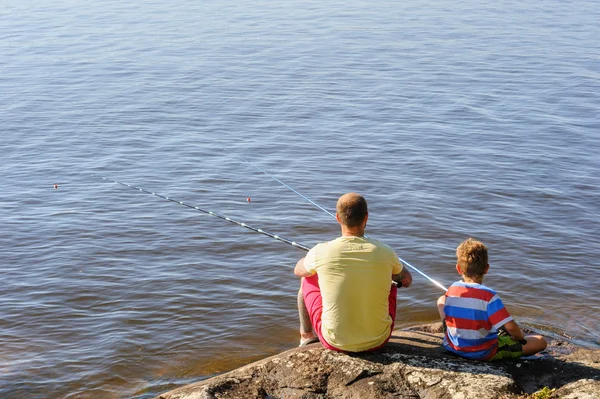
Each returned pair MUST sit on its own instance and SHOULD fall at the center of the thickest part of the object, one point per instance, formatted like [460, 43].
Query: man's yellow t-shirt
[355, 281]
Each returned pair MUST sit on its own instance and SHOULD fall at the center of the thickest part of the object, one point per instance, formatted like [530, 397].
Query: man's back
[355, 279]
[346, 292]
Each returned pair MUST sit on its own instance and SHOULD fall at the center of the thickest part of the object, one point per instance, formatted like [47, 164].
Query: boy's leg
[508, 348]
[441, 302]
[535, 344]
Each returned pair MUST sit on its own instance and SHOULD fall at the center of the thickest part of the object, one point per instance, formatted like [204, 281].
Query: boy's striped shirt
[474, 313]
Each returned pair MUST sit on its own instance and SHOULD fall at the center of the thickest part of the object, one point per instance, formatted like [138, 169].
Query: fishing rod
[258, 230]
[331, 214]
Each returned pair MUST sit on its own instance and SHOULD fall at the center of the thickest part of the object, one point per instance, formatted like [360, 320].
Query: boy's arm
[515, 332]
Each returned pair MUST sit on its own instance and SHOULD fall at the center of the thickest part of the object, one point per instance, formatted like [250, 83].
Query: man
[346, 293]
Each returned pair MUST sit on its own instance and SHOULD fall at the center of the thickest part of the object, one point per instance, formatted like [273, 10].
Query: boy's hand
[515, 332]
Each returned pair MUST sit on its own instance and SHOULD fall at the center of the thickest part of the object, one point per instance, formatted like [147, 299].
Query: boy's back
[474, 313]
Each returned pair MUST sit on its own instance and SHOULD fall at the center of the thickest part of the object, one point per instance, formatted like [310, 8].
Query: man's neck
[352, 232]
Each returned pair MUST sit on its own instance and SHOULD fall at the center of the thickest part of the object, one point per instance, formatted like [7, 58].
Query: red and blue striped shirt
[474, 313]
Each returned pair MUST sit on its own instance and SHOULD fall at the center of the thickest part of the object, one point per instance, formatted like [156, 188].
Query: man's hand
[404, 278]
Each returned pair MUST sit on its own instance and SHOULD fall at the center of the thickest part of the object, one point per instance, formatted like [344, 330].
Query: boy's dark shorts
[508, 348]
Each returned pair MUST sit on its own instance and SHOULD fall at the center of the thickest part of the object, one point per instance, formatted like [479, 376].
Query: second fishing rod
[436, 283]
[258, 230]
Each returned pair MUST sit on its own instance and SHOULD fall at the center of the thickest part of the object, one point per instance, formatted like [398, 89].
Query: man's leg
[314, 306]
[392, 306]
[306, 330]
[392, 313]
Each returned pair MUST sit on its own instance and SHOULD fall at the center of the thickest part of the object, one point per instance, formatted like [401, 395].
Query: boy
[473, 313]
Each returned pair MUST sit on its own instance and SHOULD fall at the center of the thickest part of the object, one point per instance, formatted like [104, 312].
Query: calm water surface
[454, 119]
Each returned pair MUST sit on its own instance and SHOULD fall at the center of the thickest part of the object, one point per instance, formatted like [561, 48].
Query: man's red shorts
[314, 304]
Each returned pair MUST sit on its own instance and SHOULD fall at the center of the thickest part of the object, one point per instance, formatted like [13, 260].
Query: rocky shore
[411, 365]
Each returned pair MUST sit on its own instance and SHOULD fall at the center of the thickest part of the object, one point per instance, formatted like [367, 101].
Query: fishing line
[228, 219]
[331, 214]
[279, 181]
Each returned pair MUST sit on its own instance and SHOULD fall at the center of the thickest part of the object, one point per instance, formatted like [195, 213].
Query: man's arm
[404, 278]
[300, 270]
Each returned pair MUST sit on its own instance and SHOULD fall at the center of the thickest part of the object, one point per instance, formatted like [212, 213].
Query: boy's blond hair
[472, 258]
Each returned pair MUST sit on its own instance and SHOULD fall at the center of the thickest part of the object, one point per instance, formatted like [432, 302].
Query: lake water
[454, 119]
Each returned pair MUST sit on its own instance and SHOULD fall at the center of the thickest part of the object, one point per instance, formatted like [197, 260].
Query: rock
[582, 389]
[411, 365]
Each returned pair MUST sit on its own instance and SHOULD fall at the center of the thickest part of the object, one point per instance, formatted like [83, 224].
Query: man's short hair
[352, 209]
[472, 257]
